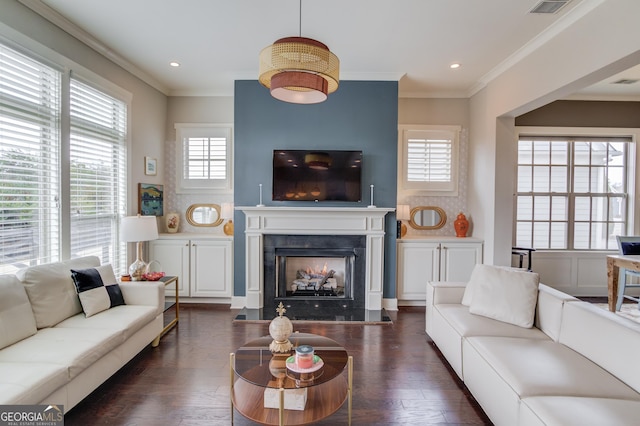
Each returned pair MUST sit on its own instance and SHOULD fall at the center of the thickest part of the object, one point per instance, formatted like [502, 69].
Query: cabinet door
[458, 260]
[417, 265]
[173, 256]
[211, 268]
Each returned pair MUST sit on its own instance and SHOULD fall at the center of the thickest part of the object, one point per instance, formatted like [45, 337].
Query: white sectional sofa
[50, 352]
[576, 365]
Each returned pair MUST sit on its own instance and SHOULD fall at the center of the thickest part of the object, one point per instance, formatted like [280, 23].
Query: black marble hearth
[298, 313]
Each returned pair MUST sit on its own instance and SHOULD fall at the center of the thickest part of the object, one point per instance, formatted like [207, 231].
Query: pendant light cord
[300, 20]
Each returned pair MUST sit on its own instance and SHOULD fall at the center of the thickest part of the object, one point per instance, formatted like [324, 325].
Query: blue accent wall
[360, 115]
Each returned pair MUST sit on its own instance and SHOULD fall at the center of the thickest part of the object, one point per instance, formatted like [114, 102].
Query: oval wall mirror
[427, 217]
[204, 215]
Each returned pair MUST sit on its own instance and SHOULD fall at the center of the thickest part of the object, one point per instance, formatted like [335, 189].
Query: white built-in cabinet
[420, 260]
[203, 264]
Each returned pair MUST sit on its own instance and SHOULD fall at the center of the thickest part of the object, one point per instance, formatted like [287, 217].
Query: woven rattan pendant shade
[299, 70]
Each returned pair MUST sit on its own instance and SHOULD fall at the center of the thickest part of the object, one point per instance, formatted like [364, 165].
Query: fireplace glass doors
[317, 271]
[328, 273]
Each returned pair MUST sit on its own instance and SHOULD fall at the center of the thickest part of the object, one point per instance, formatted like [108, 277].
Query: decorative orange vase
[461, 225]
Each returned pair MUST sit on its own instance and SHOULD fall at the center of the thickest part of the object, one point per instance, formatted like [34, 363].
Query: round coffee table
[260, 378]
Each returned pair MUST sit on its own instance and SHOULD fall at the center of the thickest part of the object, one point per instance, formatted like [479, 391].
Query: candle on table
[304, 356]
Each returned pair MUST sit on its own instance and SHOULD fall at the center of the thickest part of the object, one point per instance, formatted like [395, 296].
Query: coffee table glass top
[255, 363]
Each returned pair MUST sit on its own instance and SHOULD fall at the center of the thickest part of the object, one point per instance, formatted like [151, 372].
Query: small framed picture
[150, 166]
[150, 199]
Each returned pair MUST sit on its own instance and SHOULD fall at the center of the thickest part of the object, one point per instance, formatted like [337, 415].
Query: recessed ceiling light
[454, 66]
[174, 64]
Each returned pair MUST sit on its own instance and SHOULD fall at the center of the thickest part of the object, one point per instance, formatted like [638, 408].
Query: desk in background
[614, 263]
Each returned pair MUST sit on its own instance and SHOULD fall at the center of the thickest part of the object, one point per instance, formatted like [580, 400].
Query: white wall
[192, 109]
[414, 111]
[603, 42]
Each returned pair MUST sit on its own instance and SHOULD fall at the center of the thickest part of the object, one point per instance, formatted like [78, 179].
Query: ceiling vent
[626, 81]
[549, 6]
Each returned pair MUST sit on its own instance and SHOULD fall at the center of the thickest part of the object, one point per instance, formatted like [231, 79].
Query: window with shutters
[428, 160]
[204, 158]
[572, 191]
[60, 197]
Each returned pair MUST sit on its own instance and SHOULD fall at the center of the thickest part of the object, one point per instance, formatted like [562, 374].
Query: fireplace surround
[314, 271]
[364, 222]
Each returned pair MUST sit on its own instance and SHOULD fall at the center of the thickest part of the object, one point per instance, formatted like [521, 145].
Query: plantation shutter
[430, 160]
[205, 158]
[97, 174]
[29, 158]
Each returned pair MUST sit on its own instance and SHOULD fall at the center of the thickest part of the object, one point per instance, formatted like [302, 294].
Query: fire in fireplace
[313, 276]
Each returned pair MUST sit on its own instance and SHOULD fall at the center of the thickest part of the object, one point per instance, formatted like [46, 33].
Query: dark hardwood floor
[400, 378]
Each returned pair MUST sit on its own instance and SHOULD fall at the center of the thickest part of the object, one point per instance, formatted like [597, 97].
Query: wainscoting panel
[554, 270]
[592, 273]
[575, 272]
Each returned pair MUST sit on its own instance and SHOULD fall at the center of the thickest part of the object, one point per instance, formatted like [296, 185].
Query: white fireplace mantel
[369, 221]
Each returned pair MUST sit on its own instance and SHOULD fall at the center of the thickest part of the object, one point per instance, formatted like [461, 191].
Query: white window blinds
[97, 174]
[29, 162]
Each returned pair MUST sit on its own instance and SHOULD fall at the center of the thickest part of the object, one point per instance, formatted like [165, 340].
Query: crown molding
[73, 30]
[446, 94]
[564, 22]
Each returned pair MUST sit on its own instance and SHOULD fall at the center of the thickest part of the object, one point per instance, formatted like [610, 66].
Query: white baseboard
[390, 304]
[238, 302]
[412, 303]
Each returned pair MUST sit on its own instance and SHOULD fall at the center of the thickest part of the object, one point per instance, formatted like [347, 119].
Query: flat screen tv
[317, 175]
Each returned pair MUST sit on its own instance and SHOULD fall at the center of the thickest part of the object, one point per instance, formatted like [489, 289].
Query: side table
[168, 280]
[253, 373]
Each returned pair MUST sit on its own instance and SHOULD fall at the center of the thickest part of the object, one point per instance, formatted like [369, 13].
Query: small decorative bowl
[153, 276]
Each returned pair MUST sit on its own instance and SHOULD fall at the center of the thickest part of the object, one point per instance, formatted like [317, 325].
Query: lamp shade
[403, 212]
[138, 228]
[227, 211]
[299, 70]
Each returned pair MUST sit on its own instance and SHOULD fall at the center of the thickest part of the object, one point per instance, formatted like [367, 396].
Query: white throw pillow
[480, 274]
[507, 295]
[477, 276]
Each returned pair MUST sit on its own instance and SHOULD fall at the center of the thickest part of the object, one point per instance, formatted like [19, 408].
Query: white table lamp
[137, 229]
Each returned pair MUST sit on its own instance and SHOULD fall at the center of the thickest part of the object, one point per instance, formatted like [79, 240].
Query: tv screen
[317, 175]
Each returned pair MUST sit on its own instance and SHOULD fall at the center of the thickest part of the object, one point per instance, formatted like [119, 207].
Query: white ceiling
[411, 41]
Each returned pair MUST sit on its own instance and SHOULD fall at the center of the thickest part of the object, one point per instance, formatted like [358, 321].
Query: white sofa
[50, 353]
[577, 365]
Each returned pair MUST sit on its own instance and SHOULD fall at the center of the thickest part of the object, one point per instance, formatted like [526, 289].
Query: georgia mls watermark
[31, 415]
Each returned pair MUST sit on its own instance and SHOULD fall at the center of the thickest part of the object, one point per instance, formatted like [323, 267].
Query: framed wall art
[150, 198]
[150, 166]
